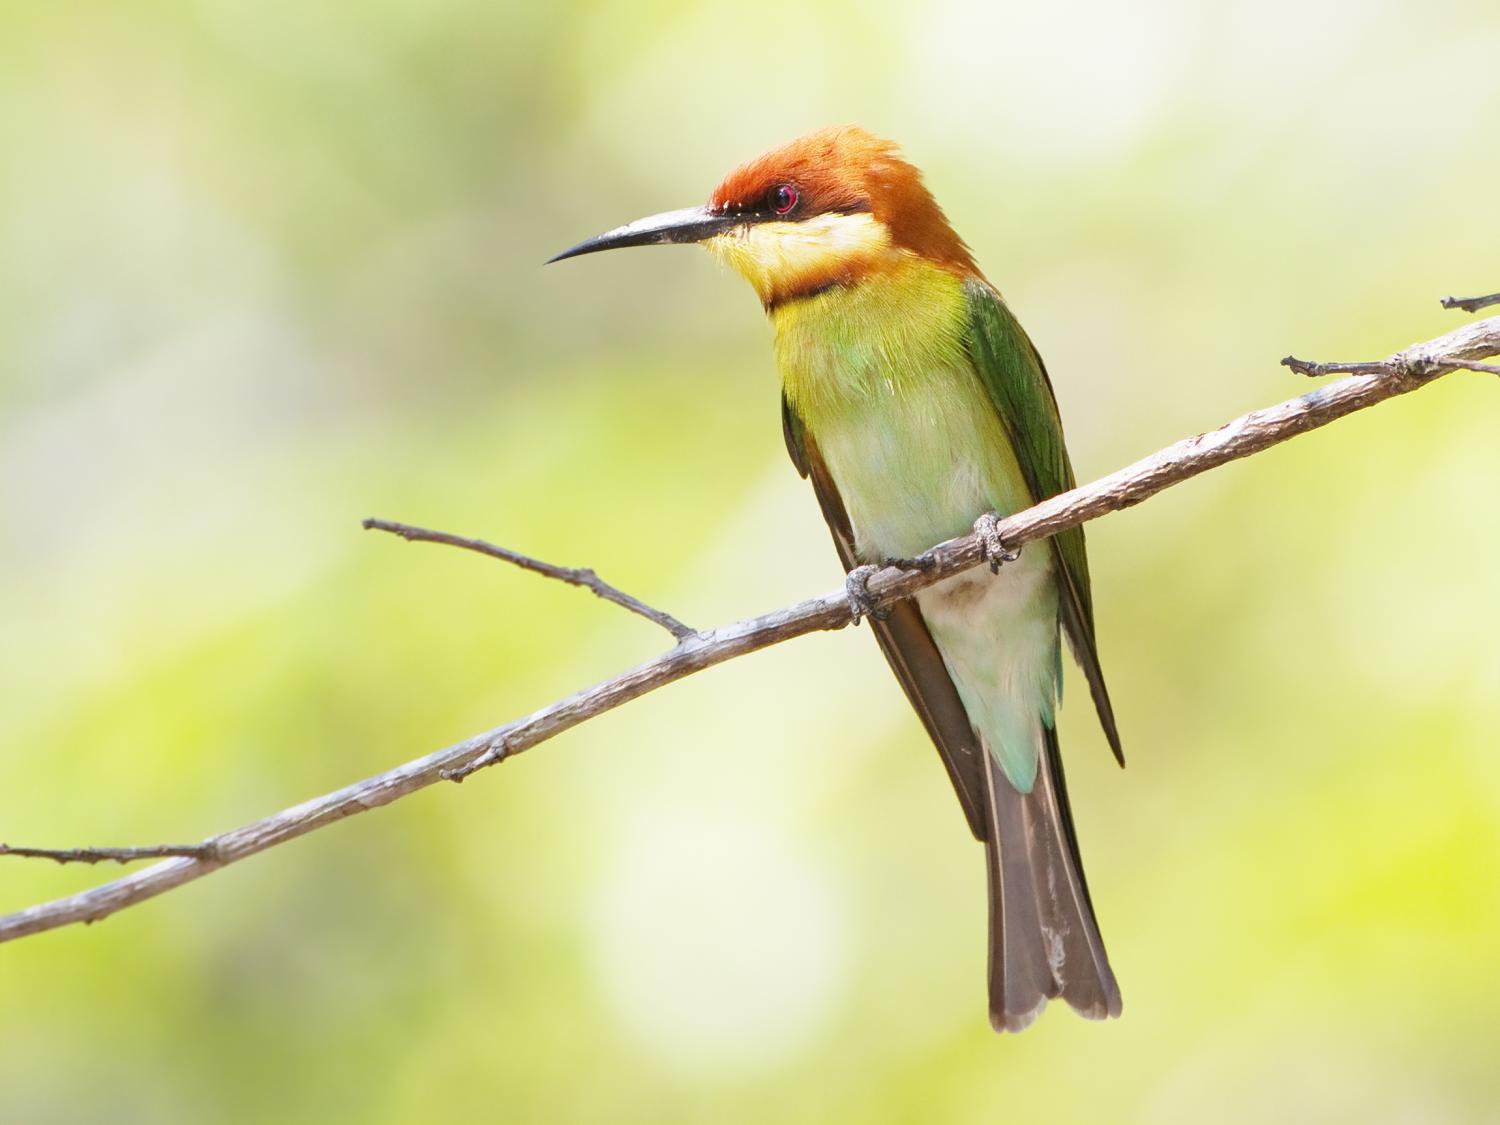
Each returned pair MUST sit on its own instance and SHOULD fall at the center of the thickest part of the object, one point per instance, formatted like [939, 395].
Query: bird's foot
[857, 586]
[996, 553]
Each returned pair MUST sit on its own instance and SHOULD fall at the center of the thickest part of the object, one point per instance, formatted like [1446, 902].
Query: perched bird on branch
[917, 405]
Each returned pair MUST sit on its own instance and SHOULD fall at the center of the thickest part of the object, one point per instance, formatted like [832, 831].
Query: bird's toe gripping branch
[857, 586]
[996, 553]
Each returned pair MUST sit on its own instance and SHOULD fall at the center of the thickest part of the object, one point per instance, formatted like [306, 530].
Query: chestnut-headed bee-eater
[916, 404]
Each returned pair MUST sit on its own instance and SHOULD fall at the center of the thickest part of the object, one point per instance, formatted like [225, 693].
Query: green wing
[1013, 374]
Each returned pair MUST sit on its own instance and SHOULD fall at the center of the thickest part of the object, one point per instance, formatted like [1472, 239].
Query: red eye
[783, 198]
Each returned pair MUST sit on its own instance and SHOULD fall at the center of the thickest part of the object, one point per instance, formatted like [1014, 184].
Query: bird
[919, 409]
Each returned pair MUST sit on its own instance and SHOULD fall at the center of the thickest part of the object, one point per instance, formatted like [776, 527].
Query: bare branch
[1471, 304]
[1250, 433]
[1316, 370]
[1383, 366]
[574, 576]
[204, 852]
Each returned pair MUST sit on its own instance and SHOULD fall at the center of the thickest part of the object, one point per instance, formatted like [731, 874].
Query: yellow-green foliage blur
[270, 267]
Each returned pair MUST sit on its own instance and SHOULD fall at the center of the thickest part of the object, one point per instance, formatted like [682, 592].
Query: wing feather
[1017, 382]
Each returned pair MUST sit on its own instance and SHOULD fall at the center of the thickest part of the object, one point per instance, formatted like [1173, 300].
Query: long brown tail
[1044, 940]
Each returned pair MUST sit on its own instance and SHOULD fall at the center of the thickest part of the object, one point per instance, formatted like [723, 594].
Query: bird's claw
[996, 553]
[857, 586]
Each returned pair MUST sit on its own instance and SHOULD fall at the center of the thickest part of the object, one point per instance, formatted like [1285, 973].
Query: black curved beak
[692, 224]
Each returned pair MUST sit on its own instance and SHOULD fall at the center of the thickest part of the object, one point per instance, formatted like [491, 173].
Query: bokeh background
[270, 267]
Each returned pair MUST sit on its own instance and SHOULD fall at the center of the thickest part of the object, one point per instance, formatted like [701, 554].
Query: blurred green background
[271, 267]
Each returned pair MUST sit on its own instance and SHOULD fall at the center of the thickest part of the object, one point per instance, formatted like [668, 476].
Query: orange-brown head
[830, 208]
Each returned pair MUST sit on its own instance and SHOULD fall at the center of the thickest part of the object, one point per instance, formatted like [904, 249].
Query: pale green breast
[882, 382]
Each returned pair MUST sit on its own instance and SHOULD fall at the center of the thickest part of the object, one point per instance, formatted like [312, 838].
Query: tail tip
[1005, 1020]
[1010, 1022]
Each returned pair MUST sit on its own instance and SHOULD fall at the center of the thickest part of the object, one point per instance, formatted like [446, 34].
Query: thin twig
[1250, 433]
[1317, 370]
[204, 852]
[1383, 366]
[1471, 304]
[575, 576]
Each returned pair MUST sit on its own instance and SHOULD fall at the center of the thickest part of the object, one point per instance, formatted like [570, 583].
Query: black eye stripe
[768, 207]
